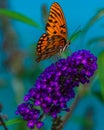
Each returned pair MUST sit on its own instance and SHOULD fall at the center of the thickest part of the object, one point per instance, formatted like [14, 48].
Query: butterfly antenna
[68, 42]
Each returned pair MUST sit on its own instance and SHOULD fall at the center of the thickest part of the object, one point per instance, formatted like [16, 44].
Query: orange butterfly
[54, 40]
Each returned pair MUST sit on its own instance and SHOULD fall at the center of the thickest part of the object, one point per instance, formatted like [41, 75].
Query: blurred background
[22, 22]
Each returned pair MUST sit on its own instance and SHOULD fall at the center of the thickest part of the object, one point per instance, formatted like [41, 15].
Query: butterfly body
[54, 40]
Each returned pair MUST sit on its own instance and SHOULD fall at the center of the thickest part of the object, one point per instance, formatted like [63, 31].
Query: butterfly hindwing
[49, 46]
[42, 43]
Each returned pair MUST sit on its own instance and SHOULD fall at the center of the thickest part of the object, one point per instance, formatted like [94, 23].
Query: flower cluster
[55, 87]
[29, 113]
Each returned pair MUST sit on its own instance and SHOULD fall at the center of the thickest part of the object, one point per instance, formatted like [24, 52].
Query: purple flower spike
[55, 87]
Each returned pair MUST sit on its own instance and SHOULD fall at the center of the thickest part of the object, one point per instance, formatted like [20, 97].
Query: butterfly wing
[49, 46]
[54, 40]
[56, 24]
[42, 43]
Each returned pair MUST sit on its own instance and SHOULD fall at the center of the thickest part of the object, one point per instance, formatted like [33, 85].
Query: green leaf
[21, 126]
[101, 72]
[81, 120]
[18, 16]
[75, 35]
[14, 121]
[95, 40]
[97, 16]
[98, 95]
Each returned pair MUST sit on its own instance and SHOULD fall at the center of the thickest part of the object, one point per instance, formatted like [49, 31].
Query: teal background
[77, 14]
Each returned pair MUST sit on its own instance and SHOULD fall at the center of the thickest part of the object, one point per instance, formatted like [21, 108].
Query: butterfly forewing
[56, 24]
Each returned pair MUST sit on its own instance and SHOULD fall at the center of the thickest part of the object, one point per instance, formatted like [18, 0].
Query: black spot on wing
[55, 22]
[63, 26]
[50, 20]
[54, 32]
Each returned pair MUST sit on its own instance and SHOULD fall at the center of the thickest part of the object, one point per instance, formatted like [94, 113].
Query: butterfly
[54, 40]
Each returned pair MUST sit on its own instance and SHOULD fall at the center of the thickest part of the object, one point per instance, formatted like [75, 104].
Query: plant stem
[3, 124]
